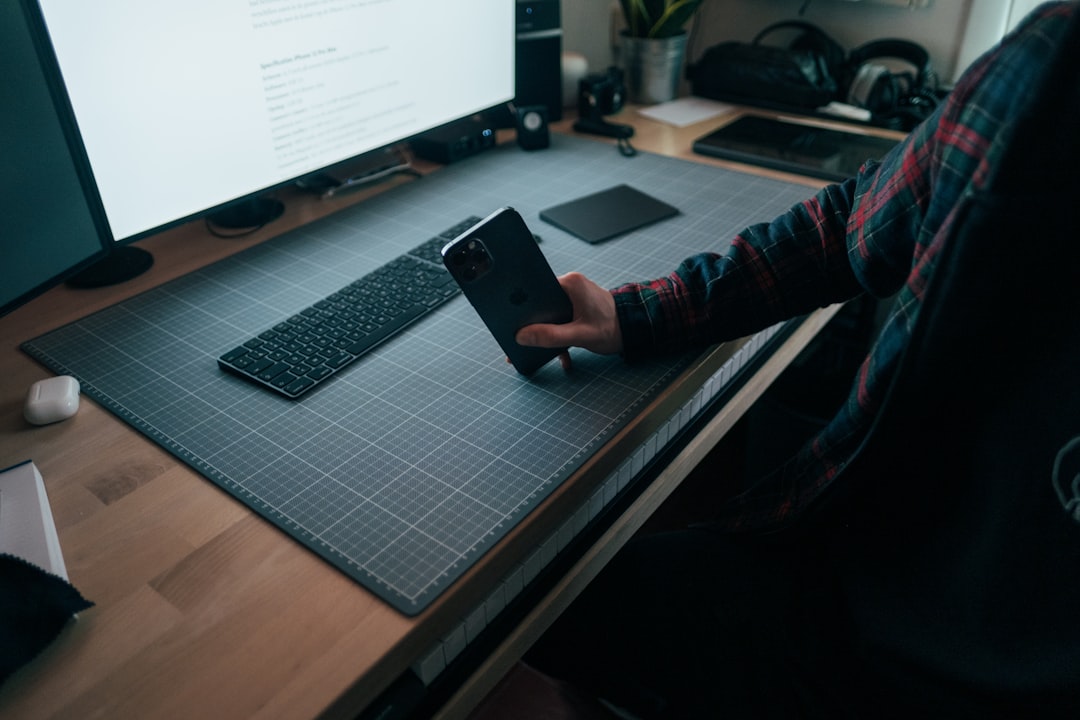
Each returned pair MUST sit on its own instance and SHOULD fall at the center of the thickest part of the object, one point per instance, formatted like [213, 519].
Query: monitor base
[248, 216]
[121, 264]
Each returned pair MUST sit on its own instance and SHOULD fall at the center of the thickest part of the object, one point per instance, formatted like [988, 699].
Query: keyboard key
[258, 366]
[285, 378]
[235, 354]
[299, 385]
[269, 373]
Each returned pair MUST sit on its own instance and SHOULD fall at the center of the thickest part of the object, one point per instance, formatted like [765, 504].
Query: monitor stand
[122, 263]
[244, 217]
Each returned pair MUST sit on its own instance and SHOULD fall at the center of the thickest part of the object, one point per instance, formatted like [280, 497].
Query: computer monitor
[187, 107]
[51, 224]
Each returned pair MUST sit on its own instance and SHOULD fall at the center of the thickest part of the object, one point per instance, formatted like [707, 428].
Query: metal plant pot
[652, 67]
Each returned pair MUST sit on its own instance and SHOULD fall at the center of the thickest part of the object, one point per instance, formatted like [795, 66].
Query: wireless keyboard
[306, 349]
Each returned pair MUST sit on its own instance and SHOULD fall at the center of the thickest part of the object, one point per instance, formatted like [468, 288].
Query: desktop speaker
[538, 57]
[532, 127]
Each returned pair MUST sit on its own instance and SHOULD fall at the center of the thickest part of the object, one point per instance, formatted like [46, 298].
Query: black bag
[801, 75]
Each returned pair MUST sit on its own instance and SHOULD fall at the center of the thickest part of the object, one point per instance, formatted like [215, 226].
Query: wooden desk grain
[203, 609]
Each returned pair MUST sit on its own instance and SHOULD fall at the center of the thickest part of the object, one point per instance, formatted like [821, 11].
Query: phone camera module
[472, 260]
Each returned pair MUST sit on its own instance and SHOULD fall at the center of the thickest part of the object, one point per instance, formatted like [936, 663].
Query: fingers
[595, 324]
[542, 335]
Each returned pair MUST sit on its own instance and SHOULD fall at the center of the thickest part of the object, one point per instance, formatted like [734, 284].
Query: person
[919, 556]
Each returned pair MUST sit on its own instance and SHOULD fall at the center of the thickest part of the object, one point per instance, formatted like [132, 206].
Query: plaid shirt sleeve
[879, 232]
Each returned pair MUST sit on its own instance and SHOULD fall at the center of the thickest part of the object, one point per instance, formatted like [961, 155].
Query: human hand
[594, 327]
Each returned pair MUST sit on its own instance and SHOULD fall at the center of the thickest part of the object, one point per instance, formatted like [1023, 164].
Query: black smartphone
[509, 283]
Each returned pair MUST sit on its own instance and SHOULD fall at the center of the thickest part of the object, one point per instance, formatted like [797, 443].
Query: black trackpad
[608, 213]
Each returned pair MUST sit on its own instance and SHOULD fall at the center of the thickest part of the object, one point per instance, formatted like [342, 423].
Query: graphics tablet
[793, 147]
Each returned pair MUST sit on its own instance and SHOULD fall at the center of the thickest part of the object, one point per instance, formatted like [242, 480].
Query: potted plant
[653, 47]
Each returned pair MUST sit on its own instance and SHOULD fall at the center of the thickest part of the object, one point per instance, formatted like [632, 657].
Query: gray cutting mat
[405, 468]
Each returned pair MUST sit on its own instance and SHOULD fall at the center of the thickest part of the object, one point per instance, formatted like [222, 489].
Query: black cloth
[34, 607]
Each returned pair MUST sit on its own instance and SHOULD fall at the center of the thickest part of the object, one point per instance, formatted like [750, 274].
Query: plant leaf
[638, 17]
[674, 18]
[657, 18]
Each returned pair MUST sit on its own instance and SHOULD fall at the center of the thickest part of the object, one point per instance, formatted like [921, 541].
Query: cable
[622, 133]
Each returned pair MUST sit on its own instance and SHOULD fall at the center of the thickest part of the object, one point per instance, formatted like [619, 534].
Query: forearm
[772, 271]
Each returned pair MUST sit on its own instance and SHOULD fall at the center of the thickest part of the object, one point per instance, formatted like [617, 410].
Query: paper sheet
[686, 111]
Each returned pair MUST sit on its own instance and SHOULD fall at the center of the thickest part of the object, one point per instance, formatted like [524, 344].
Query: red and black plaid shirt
[879, 232]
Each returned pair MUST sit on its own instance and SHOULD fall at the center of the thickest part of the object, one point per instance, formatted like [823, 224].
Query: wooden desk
[203, 609]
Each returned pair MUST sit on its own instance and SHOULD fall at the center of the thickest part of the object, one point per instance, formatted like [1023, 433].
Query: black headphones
[896, 99]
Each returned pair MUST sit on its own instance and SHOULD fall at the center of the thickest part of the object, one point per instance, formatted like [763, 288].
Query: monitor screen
[51, 225]
[185, 107]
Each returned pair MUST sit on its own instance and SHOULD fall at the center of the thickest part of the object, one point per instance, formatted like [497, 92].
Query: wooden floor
[527, 694]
